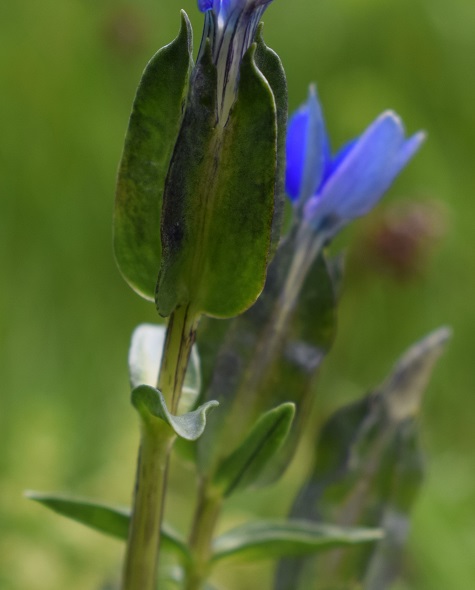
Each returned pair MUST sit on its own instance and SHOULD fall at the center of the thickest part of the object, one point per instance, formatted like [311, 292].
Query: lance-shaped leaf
[110, 520]
[150, 403]
[145, 356]
[368, 468]
[219, 197]
[244, 466]
[274, 539]
[153, 129]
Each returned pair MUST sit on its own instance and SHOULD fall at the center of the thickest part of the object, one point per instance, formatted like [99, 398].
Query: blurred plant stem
[308, 247]
[140, 566]
[205, 519]
[157, 438]
[181, 332]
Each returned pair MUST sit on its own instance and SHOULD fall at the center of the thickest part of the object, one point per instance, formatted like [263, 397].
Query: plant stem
[141, 559]
[205, 519]
[308, 247]
[140, 567]
[181, 332]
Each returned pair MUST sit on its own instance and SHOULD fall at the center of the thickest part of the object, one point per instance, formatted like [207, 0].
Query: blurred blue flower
[230, 26]
[331, 191]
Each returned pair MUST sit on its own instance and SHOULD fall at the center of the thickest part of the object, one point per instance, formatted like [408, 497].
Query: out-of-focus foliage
[68, 74]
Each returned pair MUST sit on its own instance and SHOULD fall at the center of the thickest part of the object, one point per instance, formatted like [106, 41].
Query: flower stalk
[204, 523]
[180, 337]
[157, 438]
[140, 565]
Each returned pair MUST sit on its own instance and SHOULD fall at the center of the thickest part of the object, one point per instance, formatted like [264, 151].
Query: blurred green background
[68, 72]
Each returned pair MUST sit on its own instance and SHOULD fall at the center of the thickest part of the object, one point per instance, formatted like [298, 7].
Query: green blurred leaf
[244, 466]
[403, 390]
[271, 67]
[274, 539]
[153, 129]
[150, 403]
[145, 356]
[386, 561]
[110, 520]
[367, 472]
[219, 197]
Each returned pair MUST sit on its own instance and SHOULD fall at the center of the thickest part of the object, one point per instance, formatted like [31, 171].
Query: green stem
[140, 567]
[141, 559]
[308, 247]
[181, 332]
[206, 516]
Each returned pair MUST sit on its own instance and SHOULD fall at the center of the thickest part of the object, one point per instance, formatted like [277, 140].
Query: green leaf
[367, 471]
[150, 403]
[219, 197]
[386, 562]
[244, 466]
[403, 390]
[271, 67]
[275, 539]
[153, 129]
[110, 520]
[145, 357]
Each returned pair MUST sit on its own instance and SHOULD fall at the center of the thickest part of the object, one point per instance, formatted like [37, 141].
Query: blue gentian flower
[230, 26]
[332, 190]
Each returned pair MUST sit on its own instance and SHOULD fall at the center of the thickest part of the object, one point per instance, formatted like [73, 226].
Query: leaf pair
[198, 203]
[249, 542]
[145, 354]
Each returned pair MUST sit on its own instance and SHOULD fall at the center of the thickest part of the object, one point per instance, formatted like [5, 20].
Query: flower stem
[140, 567]
[141, 559]
[308, 247]
[206, 516]
[181, 331]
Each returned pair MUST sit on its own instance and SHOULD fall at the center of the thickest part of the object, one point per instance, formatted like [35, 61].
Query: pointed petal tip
[391, 117]
[419, 138]
[312, 90]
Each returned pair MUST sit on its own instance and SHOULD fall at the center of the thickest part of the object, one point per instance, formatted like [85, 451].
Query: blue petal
[333, 163]
[306, 150]
[295, 152]
[364, 174]
[205, 5]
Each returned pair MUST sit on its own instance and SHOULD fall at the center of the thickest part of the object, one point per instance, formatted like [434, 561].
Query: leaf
[367, 471]
[271, 67]
[404, 388]
[219, 197]
[110, 520]
[386, 562]
[150, 402]
[243, 467]
[145, 356]
[275, 539]
[153, 129]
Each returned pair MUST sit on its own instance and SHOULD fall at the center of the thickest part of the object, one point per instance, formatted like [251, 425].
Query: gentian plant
[251, 315]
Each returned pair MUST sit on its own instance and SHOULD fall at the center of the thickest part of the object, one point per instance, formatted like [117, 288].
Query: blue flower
[230, 26]
[331, 191]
